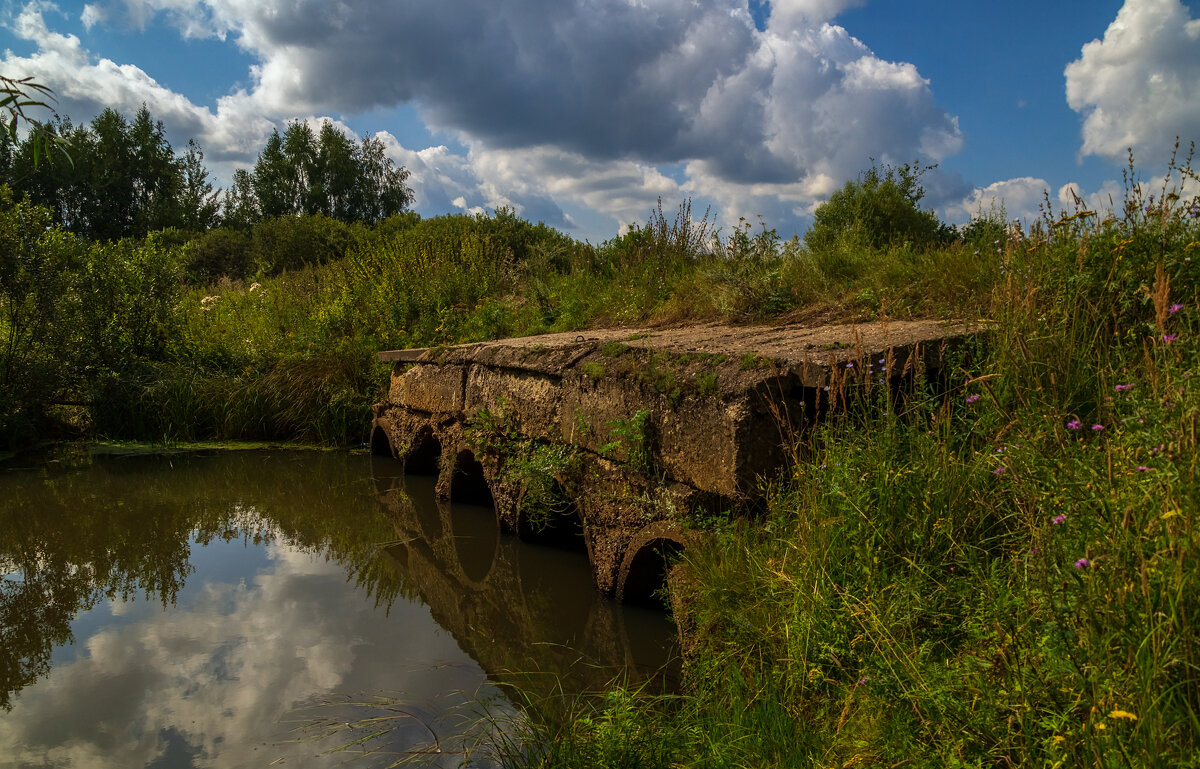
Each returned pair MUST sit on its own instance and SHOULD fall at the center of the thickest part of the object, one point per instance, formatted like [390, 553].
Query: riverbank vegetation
[153, 307]
[1002, 573]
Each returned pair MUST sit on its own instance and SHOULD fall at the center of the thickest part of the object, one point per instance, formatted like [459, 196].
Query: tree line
[121, 178]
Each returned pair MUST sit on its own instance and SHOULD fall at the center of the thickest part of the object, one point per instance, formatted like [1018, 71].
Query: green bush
[878, 209]
[129, 291]
[38, 264]
[221, 252]
[292, 242]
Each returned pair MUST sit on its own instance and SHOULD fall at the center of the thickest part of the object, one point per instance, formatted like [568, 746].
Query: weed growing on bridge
[632, 441]
[593, 370]
[539, 475]
[706, 385]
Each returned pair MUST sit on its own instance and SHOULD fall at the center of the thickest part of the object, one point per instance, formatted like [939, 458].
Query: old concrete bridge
[613, 440]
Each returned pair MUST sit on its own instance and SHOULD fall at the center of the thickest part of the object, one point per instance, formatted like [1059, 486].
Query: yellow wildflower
[1123, 714]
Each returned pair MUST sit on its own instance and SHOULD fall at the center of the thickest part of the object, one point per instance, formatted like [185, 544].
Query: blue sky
[582, 113]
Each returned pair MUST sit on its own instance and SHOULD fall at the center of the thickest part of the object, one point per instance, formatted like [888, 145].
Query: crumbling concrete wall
[633, 438]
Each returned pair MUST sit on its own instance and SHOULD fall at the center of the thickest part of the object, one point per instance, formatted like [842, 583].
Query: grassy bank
[1004, 575]
[137, 340]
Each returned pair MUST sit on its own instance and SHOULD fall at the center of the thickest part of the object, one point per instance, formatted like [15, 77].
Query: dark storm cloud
[603, 79]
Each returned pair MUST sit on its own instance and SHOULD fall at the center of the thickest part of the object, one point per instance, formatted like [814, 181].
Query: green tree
[124, 180]
[239, 205]
[198, 200]
[878, 209]
[274, 181]
[381, 190]
[324, 173]
[337, 179]
[156, 177]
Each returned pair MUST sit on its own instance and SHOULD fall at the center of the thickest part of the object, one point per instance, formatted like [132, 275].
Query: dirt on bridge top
[786, 345]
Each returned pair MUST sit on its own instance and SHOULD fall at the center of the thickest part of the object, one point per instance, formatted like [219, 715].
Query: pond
[257, 608]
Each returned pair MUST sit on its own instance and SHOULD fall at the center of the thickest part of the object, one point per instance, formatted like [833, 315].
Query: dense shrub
[220, 252]
[73, 313]
[291, 242]
[37, 264]
[879, 209]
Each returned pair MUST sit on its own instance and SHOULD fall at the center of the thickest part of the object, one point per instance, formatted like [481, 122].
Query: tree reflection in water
[213, 675]
[75, 532]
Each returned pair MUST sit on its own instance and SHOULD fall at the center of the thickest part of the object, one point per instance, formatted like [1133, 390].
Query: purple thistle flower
[1168, 338]
[1075, 424]
[972, 398]
[1082, 563]
[1174, 308]
[1058, 520]
[1142, 469]
[1123, 387]
[1097, 428]
[1000, 470]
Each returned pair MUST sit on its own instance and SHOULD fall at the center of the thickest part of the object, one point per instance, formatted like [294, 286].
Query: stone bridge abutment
[615, 442]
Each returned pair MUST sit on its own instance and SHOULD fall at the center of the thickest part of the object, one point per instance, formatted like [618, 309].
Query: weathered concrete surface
[633, 431]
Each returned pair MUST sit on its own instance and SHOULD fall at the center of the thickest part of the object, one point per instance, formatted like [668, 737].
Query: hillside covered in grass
[270, 332]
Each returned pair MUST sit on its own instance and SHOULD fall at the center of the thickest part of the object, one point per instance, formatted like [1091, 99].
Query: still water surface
[256, 608]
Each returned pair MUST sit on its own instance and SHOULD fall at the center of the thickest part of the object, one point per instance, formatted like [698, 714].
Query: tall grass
[1000, 571]
[460, 279]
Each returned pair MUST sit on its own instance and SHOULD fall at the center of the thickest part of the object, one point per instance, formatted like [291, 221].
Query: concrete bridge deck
[619, 437]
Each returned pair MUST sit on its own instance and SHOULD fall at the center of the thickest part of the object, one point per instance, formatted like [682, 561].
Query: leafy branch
[18, 94]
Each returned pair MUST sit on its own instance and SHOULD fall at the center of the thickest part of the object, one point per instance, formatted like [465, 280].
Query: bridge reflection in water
[529, 615]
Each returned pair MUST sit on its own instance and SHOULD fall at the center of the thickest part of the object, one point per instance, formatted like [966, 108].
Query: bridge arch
[381, 443]
[424, 456]
[468, 485]
[647, 562]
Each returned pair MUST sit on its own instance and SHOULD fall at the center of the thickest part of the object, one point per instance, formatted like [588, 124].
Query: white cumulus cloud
[1139, 87]
[91, 16]
[559, 103]
[1022, 198]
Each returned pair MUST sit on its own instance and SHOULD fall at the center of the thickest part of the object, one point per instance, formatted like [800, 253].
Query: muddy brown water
[247, 609]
